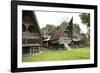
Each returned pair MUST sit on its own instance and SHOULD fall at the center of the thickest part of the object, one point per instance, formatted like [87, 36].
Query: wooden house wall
[31, 34]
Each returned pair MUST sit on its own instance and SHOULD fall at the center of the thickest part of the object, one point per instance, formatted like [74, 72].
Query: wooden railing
[31, 35]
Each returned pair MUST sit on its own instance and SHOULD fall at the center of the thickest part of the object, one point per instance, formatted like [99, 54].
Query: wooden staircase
[67, 46]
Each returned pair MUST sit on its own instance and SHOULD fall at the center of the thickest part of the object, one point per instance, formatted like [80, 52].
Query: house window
[31, 28]
[23, 27]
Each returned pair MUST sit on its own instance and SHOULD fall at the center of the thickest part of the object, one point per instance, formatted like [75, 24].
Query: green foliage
[85, 17]
[76, 30]
[83, 36]
[48, 29]
[57, 55]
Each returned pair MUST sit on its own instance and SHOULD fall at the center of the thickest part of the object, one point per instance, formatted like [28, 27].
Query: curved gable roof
[56, 34]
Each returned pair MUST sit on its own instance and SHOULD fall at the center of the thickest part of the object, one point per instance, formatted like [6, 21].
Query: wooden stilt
[30, 51]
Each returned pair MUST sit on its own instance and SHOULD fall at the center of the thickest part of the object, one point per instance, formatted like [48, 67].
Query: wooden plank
[28, 45]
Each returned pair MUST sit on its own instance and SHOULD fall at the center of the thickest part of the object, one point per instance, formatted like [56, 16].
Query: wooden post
[30, 51]
[39, 49]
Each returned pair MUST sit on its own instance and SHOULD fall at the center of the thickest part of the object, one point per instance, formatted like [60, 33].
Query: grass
[59, 55]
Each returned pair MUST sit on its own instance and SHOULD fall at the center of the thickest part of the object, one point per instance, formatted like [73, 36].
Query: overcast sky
[56, 18]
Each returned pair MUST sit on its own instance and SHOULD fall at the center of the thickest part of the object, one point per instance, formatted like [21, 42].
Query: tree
[76, 30]
[85, 17]
[83, 36]
[47, 30]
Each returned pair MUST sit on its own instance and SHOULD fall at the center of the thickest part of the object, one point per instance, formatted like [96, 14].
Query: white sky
[56, 18]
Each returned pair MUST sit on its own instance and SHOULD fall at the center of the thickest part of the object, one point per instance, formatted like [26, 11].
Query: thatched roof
[56, 34]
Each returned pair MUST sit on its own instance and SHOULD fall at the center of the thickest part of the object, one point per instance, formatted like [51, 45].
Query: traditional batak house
[31, 35]
[62, 36]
